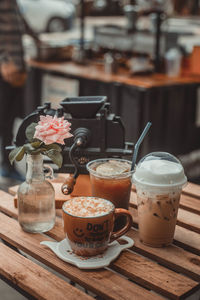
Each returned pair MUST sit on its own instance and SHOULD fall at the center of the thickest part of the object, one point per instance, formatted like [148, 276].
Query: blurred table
[141, 272]
[95, 71]
[169, 103]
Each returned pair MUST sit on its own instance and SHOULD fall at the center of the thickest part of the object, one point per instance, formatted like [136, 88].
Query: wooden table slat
[154, 276]
[113, 284]
[189, 240]
[189, 266]
[188, 220]
[171, 256]
[31, 277]
[153, 281]
[192, 189]
[190, 203]
[173, 285]
[133, 266]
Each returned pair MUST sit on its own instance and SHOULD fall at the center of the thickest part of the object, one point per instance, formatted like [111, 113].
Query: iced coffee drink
[111, 179]
[159, 178]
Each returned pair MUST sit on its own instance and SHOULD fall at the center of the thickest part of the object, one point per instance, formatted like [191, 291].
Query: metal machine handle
[81, 139]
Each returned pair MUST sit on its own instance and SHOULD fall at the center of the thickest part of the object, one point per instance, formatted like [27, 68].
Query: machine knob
[68, 185]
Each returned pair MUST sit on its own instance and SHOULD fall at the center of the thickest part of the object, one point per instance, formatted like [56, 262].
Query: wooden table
[138, 273]
[95, 71]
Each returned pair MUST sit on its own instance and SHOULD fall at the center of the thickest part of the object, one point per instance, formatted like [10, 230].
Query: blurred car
[48, 15]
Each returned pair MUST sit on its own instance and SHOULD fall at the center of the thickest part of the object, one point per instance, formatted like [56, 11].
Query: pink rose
[52, 130]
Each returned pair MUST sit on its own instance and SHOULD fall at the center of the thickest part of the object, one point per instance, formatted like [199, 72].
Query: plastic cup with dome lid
[159, 178]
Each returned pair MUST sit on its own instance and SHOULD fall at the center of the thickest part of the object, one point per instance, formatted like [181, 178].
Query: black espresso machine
[97, 133]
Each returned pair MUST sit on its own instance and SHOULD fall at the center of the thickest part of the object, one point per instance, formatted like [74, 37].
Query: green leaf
[55, 156]
[53, 147]
[30, 131]
[36, 144]
[16, 154]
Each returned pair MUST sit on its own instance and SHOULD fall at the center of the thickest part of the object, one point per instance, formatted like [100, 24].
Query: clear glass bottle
[36, 198]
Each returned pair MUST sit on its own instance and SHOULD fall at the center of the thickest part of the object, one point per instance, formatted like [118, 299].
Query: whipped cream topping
[159, 172]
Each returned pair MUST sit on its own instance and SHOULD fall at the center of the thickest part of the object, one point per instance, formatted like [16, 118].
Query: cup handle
[121, 211]
[49, 174]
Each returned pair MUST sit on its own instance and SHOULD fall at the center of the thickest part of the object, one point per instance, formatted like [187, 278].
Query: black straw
[137, 145]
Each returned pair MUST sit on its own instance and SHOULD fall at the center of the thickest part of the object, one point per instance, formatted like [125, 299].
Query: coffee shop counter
[141, 272]
[169, 103]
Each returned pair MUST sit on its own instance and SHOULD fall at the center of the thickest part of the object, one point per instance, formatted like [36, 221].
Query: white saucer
[64, 252]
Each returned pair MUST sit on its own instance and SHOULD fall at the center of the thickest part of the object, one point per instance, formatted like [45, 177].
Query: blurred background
[142, 55]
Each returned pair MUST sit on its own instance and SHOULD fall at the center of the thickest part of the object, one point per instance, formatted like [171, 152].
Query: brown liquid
[88, 236]
[157, 218]
[116, 190]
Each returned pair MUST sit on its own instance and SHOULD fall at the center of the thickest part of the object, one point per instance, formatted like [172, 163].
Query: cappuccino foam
[88, 206]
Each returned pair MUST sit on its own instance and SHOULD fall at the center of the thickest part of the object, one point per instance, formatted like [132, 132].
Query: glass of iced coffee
[159, 178]
[111, 179]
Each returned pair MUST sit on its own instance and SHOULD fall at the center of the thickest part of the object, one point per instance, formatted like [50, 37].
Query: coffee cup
[159, 178]
[111, 179]
[89, 222]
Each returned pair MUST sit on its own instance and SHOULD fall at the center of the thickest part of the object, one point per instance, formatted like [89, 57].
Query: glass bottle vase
[36, 198]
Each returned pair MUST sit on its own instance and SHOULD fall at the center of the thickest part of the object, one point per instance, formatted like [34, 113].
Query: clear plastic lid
[160, 169]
